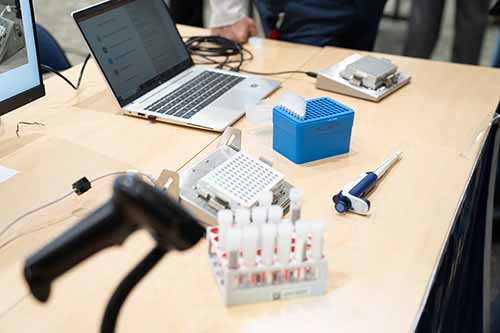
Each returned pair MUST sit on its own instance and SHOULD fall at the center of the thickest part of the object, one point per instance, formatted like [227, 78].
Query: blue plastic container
[325, 131]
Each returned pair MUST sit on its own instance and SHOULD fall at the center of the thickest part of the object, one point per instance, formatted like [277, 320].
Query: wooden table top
[380, 267]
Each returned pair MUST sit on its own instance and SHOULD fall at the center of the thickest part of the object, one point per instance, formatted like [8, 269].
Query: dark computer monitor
[20, 75]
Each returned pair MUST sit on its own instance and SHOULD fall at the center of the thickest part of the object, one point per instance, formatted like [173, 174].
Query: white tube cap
[275, 214]
[225, 215]
[259, 215]
[241, 217]
[266, 199]
[296, 195]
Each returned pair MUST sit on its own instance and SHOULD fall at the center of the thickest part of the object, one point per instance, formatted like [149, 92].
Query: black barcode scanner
[134, 205]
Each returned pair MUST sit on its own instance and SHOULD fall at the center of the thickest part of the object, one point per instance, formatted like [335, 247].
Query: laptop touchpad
[236, 99]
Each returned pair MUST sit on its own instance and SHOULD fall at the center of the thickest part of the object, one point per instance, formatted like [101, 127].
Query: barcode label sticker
[290, 293]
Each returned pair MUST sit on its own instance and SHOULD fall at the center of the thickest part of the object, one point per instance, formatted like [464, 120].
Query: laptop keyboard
[194, 95]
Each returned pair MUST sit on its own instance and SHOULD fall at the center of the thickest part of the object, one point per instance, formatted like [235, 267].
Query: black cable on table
[80, 77]
[126, 286]
[213, 48]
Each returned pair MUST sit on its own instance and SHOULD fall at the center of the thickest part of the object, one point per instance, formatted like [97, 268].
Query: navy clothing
[344, 23]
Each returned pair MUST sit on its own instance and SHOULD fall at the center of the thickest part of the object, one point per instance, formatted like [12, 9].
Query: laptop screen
[136, 44]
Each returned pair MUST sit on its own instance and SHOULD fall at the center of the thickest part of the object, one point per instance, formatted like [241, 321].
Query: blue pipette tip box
[325, 131]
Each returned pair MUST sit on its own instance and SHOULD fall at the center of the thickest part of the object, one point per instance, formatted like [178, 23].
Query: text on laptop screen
[136, 45]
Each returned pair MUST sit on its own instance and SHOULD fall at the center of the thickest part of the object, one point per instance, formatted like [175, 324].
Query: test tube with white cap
[301, 232]
[296, 196]
[267, 251]
[266, 199]
[225, 222]
[250, 236]
[317, 233]
[234, 236]
[241, 217]
[259, 215]
[284, 248]
[317, 239]
[275, 214]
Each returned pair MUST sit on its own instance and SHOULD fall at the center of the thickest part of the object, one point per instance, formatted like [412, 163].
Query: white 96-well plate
[240, 180]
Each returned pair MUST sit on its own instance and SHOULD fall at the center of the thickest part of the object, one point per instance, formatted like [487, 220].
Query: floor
[392, 34]
[55, 16]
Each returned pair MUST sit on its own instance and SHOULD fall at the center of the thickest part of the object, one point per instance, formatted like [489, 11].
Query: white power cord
[66, 195]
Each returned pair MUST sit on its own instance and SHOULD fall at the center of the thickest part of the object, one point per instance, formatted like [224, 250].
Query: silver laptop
[149, 70]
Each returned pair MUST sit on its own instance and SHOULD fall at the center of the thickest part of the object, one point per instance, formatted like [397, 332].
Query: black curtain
[455, 302]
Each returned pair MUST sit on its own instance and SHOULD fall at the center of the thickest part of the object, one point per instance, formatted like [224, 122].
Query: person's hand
[239, 31]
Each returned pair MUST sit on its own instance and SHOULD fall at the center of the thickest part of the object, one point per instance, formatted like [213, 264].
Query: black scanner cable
[112, 312]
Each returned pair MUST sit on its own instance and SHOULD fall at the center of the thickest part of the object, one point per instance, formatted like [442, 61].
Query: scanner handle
[99, 230]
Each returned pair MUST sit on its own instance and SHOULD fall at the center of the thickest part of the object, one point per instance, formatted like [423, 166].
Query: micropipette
[352, 197]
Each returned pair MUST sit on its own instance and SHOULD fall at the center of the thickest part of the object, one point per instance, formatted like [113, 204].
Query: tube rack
[264, 283]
